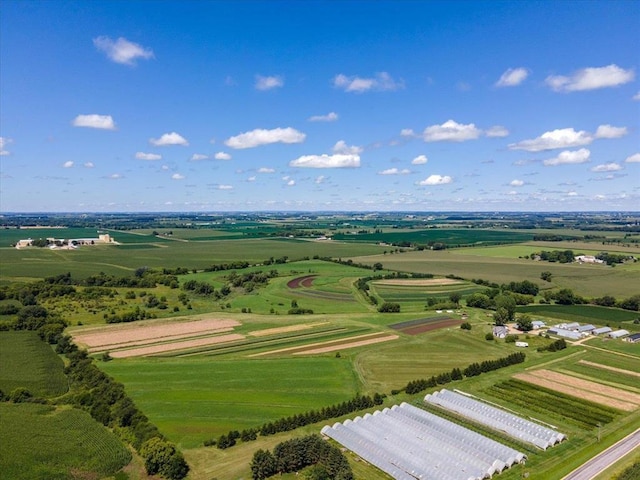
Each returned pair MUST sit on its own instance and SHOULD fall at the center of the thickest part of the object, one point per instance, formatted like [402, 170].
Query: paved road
[600, 462]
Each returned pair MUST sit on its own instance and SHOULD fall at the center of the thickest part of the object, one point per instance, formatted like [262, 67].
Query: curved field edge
[43, 442]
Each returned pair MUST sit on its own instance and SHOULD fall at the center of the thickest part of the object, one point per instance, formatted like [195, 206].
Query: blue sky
[314, 106]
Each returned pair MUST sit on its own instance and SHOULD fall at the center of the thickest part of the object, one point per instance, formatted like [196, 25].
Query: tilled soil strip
[612, 369]
[318, 344]
[143, 331]
[343, 346]
[589, 386]
[290, 328]
[170, 347]
[576, 392]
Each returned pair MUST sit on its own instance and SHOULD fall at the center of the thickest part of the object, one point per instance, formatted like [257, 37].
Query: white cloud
[266, 170]
[88, 165]
[268, 83]
[122, 50]
[67, 164]
[382, 81]
[636, 97]
[177, 176]
[591, 79]
[291, 183]
[513, 77]
[4, 141]
[342, 147]
[251, 179]
[115, 176]
[635, 158]
[516, 183]
[222, 156]
[338, 160]
[607, 167]
[407, 132]
[260, 136]
[497, 131]
[569, 158]
[148, 156]
[166, 139]
[436, 180]
[607, 131]
[164, 167]
[196, 157]
[103, 122]
[419, 160]
[329, 117]
[225, 187]
[320, 179]
[561, 138]
[394, 171]
[451, 131]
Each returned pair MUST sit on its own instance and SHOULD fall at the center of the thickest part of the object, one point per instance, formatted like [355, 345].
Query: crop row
[582, 413]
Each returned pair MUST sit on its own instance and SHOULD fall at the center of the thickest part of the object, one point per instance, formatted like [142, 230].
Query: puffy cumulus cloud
[342, 147]
[88, 165]
[560, 138]
[516, 183]
[103, 122]
[115, 176]
[380, 82]
[337, 160]
[251, 178]
[419, 160]
[407, 132]
[122, 50]
[260, 136]
[513, 77]
[590, 79]
[266, 170]
[497, 131]
[636, 97]
[607, 131]
[291, 183]
[4, 141]
[225, 187]
[569, 157]
[268, 83]
[320, 179]
[167, 139]
[329, 117]
[148, 156]
[436, 180]
[222, 156]
[197, 157]
[67, 164]
[394, 171]
[635, 158]
[177, 176]
[451, 131]
[607, 167]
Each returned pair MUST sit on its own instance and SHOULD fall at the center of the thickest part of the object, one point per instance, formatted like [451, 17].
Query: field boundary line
[555, 360]
[607, 367]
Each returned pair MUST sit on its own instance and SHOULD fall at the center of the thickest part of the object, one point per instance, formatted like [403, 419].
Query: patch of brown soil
[175, 346]
[320, 344]
[428, 327]
[290, 328]
[299, 282]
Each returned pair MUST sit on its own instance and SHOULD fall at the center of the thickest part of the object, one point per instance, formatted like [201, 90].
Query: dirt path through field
[581, 389]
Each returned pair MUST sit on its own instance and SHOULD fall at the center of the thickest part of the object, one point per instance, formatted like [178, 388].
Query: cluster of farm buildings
[574, 331]
[71, 243]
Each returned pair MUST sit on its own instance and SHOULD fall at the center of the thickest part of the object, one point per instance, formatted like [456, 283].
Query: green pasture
[586, 280]
[415, 293]
[40, 442]
[26, 361]
[38, 263]
[195, 399]
[583, 314]
[526, 249]
[441, 235]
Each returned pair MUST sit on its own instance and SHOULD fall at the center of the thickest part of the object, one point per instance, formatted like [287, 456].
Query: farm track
[612, 369]
[580, 389]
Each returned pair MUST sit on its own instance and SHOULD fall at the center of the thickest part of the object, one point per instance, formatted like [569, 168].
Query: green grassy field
[26, 361]
[40, 442]
[584, 314]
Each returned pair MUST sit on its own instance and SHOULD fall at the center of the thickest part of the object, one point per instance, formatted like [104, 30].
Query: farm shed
[500, 331]
[585, 329]
[570, 326]
[635, 338]
[619, 334]
[601, 330]
[537, 324]
[561, 332]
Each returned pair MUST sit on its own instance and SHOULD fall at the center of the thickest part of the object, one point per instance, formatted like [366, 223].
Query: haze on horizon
[167, 106]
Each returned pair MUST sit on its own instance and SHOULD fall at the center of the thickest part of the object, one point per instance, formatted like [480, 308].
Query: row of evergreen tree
[285, 424]
[475, 369]
[293, 455]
